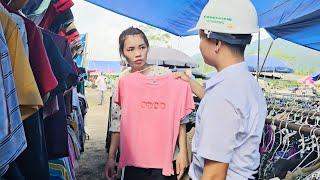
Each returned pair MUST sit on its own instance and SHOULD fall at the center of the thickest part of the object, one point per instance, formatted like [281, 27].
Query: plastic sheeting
[297, 21]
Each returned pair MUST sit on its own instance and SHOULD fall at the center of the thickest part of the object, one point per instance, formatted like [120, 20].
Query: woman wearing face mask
[134, 47]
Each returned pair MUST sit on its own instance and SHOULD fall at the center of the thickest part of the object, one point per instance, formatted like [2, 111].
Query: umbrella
[170, 57]
[271, 65]
[315, 76]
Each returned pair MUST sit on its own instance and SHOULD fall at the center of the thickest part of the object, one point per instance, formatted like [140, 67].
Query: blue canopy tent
[315, 76]
[297, 21]
[271, 65]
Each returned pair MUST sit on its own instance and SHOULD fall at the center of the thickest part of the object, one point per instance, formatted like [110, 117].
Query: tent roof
[293, 20]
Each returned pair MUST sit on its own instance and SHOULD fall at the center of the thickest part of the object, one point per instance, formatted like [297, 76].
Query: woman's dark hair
[128, 32]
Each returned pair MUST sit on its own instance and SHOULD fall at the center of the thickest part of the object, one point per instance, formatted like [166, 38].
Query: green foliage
[203, 67]
[156, 36]
[282, 84]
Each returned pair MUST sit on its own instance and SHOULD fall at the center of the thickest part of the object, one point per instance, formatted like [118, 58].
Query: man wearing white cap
[231, 116]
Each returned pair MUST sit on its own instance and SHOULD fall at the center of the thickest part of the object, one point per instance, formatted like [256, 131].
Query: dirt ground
[91, 164]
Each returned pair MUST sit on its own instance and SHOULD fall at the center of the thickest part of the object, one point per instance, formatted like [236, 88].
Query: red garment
[70, 37]
[53, 11]
[62, 5]
[39, 61]
[48, 17]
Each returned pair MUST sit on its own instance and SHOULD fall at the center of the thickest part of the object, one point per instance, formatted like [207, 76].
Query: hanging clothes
[22, 29]
[31, 6]
[53, 10]
[38, 58]
[56, 132]
[63, 45]
[17, 4]
[61, 20]
[42, 8]
[28, 94]
[62, 70]
[33, 162]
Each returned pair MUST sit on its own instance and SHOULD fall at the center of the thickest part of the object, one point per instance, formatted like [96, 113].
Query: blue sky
[104, 27]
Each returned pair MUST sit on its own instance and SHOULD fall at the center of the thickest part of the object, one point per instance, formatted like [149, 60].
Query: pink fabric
[306, 80]
[151, 111]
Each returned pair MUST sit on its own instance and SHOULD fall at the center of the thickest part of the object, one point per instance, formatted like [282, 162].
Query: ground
[91, 165]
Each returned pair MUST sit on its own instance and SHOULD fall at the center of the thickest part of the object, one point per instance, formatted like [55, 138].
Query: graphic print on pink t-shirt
[151, 110]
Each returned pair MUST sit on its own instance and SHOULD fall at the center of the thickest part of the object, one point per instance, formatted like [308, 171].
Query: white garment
[101, 83]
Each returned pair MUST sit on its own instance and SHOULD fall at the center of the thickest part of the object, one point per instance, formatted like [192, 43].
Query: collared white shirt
[229, 123]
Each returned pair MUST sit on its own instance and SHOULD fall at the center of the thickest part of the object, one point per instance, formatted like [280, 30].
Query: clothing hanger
[286, 136]
[314, 118]
[273, 127]
[302, 144]
[316, 146]
[154, 81]
[296, 114]
[281, 140]
[306, 120]
[287, 140]
[301, 119]
[149, 67]
[308, 148]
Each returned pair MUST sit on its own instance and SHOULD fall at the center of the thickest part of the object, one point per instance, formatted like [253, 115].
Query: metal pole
[295, 110]
[257, 71]
[305, 129]
[265, 58]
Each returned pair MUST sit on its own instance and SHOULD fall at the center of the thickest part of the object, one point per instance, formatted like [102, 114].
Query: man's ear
[218, 46]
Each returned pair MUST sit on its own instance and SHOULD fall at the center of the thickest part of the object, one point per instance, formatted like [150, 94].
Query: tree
[156, 36]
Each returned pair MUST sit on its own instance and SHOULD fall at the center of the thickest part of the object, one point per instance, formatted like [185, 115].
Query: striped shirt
[12, 137]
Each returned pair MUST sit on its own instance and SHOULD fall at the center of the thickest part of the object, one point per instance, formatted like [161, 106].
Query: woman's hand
[181, 164]
[111, 169]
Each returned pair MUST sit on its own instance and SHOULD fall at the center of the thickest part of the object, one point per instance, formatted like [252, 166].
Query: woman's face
[135, 51]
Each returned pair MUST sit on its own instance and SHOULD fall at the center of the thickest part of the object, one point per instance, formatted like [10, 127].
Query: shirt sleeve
[185, 120]
[115, 110]
[116, 95]
[218, 129]
[115, 118]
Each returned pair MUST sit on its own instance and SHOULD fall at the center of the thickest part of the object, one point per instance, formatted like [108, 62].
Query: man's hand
[182, 75]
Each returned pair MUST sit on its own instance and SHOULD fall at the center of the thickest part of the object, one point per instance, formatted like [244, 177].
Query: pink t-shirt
[151, 110]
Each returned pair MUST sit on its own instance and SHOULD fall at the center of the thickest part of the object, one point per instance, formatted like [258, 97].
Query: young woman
[134, 47]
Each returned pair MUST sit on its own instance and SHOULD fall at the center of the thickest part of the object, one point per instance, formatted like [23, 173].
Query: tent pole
[264, 61]
[257, 71]
[84, 62]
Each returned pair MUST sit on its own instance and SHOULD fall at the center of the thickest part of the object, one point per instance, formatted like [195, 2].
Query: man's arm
[214, 170]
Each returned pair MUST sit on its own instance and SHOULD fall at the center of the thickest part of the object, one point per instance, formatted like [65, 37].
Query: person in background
[102, 86]
[231, 115]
